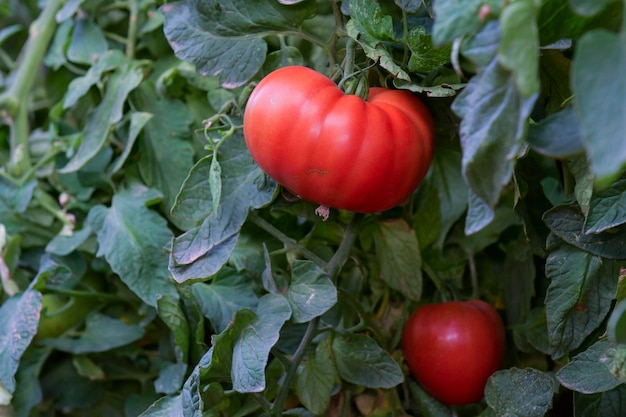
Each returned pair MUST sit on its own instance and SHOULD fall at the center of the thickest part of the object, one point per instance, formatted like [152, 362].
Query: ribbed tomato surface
[335, 149]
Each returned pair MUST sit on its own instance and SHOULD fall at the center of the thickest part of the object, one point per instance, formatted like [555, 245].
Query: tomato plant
[128, 137]
[452, 348]
[334, 149]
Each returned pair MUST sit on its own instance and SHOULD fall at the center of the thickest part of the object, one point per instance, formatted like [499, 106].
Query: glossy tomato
[452, 348]
[335, 149]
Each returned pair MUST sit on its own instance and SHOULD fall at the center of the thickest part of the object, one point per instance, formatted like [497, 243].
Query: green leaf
[55, 56]
[252, 348]
[316, 379]
[482, 48]
[102, 118]
[424, 56]
[453, 20]
[616, 326]
[87, 43]
[64, 244]
[519, 50]
[445, 178]
[399, 258]
[557, 136]
[429, 406]
[194, 201]
[225, 38]
[579, 296]
[311, 293]
[28, 392]
[216, 364]
[578, 166]
[109, 61]
[479, 214]
[606, 404]
[101, 333]
[518, 282]
[377, 52]
[167, 154]
[557, 20]
[590, 7]
[494, 118]
[191, 401]
[361, 361]
[132, 239]
[171, 377]
[87, 368]
[226, 294]
[128, 137]
[607, 208]
[19, 316]
[369, 19]
[520, 392]
[568, 223]
[614, 358]
[601, 105]
[172, 314]
[203, 250]
[586, 374]
[165, 407]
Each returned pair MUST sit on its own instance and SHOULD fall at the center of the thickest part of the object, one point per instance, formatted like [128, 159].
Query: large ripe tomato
[452, 348]
[335, 149]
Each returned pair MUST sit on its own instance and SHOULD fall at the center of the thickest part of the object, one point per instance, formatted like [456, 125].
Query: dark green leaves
[215, 35]
[520, 392]
[399, 258]
[578, 298]
[586, 373]
[252, 348]
[361, 361]
[101, 334]
[494, 117]
[132, 238]
[18, 324]
[202, 251]
[316, 379]
[453, 21]
[600, 105]
[568, 223]
[311, 292]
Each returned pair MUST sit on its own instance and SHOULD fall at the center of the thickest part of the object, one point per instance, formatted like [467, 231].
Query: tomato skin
[452, 348]
[335, 149]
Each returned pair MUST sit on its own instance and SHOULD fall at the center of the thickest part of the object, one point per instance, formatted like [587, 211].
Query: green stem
[338, 33]
[303, 347]
[473, 275]
[20, 156]
[332, 268]
[15, 99]
[341, 256]
[40, 34]
[286, 240]
[132, 28]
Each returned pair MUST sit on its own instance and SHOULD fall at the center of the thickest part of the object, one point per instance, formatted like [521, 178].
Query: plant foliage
[149, 268]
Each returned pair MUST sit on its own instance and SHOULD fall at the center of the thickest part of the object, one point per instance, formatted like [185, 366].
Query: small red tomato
[452, 348]
[335, 149]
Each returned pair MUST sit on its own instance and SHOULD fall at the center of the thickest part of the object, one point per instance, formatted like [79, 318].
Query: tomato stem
[133, 11]
[332, 268]
[286, 240]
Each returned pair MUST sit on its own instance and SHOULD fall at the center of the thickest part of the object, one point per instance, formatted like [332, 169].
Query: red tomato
[452, 348]
[335, 149]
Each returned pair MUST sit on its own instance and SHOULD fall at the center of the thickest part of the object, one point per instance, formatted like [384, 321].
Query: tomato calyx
[323, 211]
